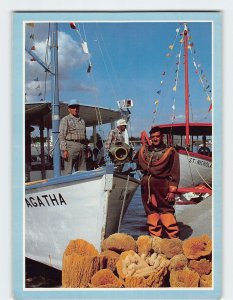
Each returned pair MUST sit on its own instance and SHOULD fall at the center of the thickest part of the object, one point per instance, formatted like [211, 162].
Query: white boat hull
[194, 169]
[80, 207]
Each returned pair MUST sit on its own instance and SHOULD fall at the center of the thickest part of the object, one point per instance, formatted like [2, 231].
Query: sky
[142, 61]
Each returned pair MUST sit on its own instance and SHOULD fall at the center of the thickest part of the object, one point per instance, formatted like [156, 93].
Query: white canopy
[40, 113]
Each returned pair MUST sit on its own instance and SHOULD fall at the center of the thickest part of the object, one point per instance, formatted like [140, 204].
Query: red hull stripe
[193, 154]
[197, 190]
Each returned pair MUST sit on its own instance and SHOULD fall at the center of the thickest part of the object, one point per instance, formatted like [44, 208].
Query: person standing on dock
[161, 169]
[72, 136]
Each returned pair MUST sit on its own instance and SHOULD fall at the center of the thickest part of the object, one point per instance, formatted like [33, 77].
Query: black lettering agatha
[45, 200]
[53, 200]
[62, 200]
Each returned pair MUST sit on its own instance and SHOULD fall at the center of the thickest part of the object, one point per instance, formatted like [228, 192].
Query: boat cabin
[175, 135]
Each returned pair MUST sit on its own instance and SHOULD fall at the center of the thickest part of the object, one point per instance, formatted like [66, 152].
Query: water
[134, 221]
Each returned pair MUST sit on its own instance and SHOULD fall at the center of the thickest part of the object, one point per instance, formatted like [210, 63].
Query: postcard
[117, 157]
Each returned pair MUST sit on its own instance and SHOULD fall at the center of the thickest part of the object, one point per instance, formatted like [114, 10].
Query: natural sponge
[184, 278]
[105, 279]
[206, 280]
[156, 243]
[129, 263]
[119, 242]
[110, 259]
[197, 247]
[142, 271]
[171, 247]
[144, 244]
[178, 262]
[202, 266]
[80, 262]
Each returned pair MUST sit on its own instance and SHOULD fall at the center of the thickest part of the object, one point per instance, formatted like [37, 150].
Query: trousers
[76, 158]
[160, 213]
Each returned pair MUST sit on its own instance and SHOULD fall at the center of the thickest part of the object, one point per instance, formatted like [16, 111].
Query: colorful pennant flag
[89, 68]
[84, 47]
[72, 25]
[208, 98]
[171, 47]
[210, 108]
[174, 88]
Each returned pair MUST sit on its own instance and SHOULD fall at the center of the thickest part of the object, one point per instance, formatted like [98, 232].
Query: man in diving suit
[161, 169]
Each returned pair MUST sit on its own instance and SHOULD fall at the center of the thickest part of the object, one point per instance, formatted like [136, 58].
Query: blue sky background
[129, 60]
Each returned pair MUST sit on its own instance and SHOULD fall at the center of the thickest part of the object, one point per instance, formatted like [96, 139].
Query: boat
[195, 168]
[86, 205]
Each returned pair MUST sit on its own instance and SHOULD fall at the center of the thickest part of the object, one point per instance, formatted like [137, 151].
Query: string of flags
[36, 85]
[164, 73]
[202, 77]
[198, 70]
[32, 36]
[178, 62]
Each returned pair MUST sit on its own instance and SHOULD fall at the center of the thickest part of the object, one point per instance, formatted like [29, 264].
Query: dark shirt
[204, 151]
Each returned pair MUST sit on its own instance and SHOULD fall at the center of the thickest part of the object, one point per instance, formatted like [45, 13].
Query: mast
[185, 34]
[55, 101]
[53, 70]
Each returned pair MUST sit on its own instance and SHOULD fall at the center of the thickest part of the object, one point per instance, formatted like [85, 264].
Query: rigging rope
[113, 69]
[46, 62]
[97, 109]
[89, 58]
[123, 204]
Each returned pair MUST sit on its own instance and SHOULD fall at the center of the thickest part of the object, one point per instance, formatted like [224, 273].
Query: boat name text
[45, 200]
[200, 162]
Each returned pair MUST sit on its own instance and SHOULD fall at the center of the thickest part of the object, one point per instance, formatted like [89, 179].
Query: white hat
[73, 102]
[121, 122]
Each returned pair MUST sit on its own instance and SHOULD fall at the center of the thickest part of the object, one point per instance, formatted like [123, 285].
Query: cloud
[77, 86]
[180, 117]
[71, 58]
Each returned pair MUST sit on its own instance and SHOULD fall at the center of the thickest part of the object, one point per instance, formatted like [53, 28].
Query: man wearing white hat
[72, 136]
[117, 135]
